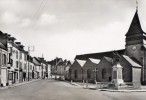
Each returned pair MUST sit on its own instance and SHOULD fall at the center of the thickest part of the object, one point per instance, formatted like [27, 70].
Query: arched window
[88, 74]
[76, 74]
[104, 73]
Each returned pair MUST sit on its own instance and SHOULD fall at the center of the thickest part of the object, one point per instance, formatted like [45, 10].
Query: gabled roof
[135, 27]
[99, 55]
[81, 62]
[132, 62]
[96, 61]
[108, 59]
[36, 61]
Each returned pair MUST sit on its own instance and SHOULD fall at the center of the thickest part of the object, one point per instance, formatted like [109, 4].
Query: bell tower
[134, 39]
[135, 44]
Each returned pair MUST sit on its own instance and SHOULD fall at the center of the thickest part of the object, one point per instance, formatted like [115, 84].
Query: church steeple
[135, 27]
[135, 34]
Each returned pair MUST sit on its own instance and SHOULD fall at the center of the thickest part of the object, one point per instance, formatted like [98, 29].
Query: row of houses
[101, 66]
[17, 65]
[58, 67]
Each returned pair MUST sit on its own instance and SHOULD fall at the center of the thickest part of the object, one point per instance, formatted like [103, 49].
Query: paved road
[57, 90]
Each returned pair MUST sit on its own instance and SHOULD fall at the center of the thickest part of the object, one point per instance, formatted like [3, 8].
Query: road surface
[58, 90]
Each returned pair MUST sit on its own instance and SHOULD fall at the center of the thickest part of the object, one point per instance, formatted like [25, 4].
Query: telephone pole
[29, 58]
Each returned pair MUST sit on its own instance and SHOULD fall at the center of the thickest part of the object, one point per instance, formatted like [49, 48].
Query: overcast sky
[66, 28]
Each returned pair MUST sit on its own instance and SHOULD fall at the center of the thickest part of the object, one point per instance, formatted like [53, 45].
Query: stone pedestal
[117, 77]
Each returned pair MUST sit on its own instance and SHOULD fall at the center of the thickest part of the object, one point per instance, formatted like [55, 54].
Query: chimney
[18, 43]
[11, 39]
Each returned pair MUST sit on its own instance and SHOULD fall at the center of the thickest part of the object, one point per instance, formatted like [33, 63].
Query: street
[50, 89]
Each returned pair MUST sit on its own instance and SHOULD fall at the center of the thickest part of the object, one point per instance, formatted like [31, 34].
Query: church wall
[89, 65]
[126, 70]
[135, 51]
[77, 67]
[136, 73]
[104, 64]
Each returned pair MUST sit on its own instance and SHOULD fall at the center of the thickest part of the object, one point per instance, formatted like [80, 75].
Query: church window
[104, 73]
[88, 74]
[76, 74]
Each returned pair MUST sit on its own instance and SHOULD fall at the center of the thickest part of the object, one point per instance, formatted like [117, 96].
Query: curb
[110, 90]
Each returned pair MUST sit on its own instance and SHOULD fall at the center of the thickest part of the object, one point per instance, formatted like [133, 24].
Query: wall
[104, 64]
[76, 66]
[89, 65]
[127, 70]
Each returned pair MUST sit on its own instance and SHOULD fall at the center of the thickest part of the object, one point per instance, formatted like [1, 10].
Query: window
[20, 55]
[30, 67]
[88, 74]
[20, 65]
[25, 66]
[10, 76]
[4, 59]
[17, 54]
[17, 64]
[25, 57]
[76, 74]
[104, 73]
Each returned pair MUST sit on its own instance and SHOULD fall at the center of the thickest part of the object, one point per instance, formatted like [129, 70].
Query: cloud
[47, 19]
[25, 22]
[9, 18]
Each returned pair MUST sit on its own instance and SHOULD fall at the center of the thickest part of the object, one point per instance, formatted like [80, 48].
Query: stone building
[67, 70]
[104, 68]
[134, 53]
[90, 70]
[3, 63]
[131, 69]
[76, 70]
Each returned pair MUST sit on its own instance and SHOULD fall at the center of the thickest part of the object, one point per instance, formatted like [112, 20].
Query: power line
[35, 21]
[37, 14]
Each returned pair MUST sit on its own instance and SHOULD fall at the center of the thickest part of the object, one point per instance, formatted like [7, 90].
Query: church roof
[81, 62]
[135, 27]
[99, 55]
[108, 59]
[132, 62]
[96, 61]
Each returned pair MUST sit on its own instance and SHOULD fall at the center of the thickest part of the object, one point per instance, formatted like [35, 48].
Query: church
[132, 58]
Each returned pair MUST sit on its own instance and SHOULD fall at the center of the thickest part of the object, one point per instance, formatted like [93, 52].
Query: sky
[66, 28]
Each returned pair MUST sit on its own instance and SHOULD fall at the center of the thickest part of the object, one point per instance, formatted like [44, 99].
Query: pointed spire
[135, 27]
[136, 5]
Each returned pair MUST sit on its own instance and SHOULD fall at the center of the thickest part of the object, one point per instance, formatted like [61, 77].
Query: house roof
[96, 61]
[36, 61]
[135, 27]
[99, 55]
[2, 46]
[132, 62]
[81, 62]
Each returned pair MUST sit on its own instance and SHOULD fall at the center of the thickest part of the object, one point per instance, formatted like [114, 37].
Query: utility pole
[29, 58]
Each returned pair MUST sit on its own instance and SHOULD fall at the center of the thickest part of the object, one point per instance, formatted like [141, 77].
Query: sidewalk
[18, 84]
[97, 87]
